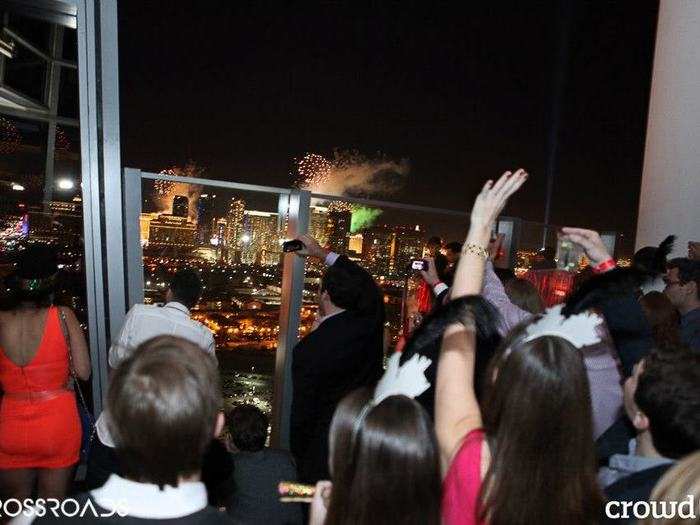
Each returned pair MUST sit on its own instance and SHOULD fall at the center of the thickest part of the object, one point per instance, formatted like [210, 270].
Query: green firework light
[363, 217]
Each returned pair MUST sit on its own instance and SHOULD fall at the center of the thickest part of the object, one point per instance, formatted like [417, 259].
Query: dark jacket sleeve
[303, 412]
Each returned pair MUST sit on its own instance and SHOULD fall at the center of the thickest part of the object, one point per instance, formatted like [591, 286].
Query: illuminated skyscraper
[389, 250]
[145, 226]
[260, 241]
[338, 230]
[356, 243]
[181, 206]
[234, 228]
[218, 239]
[408, 245]
[317, 224]
[377, 250]
[171, 230]
[205, 215]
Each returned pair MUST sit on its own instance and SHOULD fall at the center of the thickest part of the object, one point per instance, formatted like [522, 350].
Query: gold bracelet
[475, 249]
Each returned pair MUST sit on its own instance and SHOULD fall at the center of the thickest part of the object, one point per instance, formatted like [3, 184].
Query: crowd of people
[496, 411]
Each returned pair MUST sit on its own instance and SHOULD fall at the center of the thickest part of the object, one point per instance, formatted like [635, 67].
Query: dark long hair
[386, 470]
[34, 278]
[537, 418]
[427, 338]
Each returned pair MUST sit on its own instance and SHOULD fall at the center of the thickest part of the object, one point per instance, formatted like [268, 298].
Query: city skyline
[458, 98]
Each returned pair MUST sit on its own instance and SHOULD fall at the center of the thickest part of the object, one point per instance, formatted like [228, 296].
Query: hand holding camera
[305, 246]
[429, 274]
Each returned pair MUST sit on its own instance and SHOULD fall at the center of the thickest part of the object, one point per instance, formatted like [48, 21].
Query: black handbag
[87, 420]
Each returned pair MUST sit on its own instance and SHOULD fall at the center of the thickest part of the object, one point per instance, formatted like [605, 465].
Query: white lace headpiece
[406, 380]
[579, 329]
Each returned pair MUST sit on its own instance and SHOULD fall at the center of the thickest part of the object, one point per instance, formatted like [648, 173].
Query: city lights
[17, 187]
[65, 184]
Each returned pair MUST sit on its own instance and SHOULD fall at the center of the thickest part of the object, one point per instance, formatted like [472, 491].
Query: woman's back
[33, 351]
[39, 425]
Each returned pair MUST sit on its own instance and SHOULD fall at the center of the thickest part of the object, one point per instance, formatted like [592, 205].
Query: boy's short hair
[668, 393]
[248, 428]
[163, 404]
[186, 287]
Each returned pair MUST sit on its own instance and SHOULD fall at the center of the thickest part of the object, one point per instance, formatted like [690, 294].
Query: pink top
[460, 489]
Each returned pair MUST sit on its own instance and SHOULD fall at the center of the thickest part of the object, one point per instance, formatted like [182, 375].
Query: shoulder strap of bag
[66, 336]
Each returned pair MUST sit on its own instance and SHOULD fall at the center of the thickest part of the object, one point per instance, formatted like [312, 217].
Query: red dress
[462, 484]
[39, 422]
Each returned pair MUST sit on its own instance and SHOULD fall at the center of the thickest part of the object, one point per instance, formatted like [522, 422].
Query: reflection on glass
[33, 206]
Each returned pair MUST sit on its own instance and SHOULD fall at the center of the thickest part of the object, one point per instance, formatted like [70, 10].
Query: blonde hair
[680, 482]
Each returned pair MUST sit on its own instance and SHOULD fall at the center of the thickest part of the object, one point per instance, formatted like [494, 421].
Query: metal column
[290, 316]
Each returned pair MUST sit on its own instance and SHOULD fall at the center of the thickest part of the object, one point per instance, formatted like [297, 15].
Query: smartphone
[420, 264]
[292, 246]
[568, 255]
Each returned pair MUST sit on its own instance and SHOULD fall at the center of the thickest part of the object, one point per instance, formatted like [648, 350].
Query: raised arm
[456, 408]
[495, 293]
[469, 276]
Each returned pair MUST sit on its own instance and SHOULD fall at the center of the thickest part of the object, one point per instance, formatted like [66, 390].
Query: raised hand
[319, 505]
[493, 197]
[311, 248]
[590, 241]
[469, 276]
[430, 275]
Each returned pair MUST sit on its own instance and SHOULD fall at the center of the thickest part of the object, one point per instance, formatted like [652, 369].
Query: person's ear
[640, 421]
[219, 426]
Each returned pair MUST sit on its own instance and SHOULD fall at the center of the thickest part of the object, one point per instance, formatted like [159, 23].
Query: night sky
[243, 88]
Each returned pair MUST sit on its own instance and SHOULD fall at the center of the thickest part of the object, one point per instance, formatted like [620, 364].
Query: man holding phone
[343, 353]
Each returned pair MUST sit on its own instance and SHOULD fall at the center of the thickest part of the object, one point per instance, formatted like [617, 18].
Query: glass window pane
[36, 32]
[41, 201]
[234, 239]
[26, 73]
[68, 93]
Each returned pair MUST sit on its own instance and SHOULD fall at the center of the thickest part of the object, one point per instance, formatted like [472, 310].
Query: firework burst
[348, 172]
[314, 171]
[340, 206]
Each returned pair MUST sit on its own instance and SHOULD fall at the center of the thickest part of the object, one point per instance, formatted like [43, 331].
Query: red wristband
[605, 266]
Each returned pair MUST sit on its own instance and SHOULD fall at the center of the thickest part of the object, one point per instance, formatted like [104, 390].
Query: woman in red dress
[40, 430]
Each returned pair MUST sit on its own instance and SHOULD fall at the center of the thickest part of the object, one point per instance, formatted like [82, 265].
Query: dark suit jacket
[344, 353]
[635, 487]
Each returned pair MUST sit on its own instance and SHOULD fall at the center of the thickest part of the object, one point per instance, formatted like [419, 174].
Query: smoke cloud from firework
[165, 190]
[351, 174]
[363, 217]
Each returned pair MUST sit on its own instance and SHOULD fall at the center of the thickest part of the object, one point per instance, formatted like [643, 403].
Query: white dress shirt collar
[177, 306]
[144, 500]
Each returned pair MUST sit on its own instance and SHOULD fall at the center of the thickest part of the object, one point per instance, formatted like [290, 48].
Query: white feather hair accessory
[406, 380]
[579, 329]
